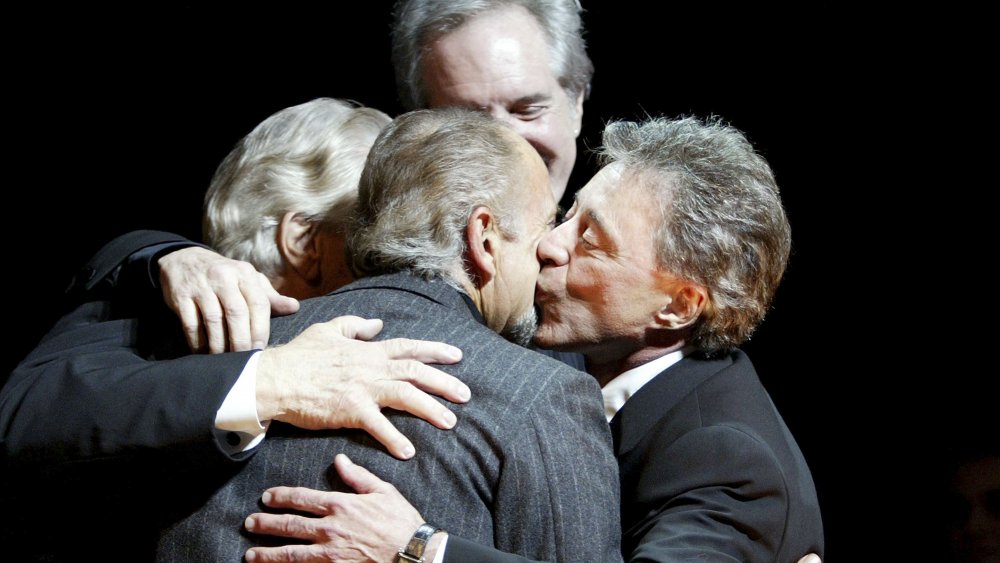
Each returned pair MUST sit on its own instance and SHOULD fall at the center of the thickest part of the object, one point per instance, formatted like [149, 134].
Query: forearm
[83, 394]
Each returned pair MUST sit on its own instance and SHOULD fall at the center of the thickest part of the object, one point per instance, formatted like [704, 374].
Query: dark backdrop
[121, 117]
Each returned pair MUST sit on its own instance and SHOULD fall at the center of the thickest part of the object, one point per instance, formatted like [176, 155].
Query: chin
[545, 338]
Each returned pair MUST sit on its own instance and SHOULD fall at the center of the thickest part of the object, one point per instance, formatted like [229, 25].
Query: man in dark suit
[665, 264]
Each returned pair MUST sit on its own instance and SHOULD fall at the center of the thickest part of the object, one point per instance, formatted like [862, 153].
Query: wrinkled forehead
[621, 196]
[498, 54]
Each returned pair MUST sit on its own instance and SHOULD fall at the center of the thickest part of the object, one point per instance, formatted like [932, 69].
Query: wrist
[434, 544]
[267, 390]
[422, 546]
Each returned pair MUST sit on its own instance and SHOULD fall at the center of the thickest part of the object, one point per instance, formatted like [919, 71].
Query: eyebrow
[596, 219]
[533, 98]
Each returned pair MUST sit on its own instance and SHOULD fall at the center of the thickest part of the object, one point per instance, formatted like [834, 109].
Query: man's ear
[686, 302]
[482, 237]
[578, 113]
[298, 246]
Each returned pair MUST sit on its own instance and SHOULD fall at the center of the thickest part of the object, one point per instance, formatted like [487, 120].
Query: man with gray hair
[523, 62]
[666, 263]
[452, 205]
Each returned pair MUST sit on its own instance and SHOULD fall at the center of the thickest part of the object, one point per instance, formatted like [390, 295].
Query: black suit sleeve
[460, 550]
[112, 377]
[88, 390]
[124, 268]
[715, 493]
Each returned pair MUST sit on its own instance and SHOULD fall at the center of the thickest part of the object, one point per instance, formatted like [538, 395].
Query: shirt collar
[626, 384]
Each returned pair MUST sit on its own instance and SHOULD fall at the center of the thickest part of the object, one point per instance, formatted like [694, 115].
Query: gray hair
[417, 23]
[425, 175]
[305, 159]
[723, 225]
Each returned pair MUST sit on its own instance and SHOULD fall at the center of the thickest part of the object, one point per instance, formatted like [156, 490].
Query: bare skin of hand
[811, 558]
[366, 527]
[224, 305]
[329, 377]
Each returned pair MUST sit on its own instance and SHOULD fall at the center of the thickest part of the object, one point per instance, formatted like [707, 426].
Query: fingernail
[408, 451]
[251, 555]
[449, 418]
[455, 354]
[464, 393]
[266, 497]
[249, 523]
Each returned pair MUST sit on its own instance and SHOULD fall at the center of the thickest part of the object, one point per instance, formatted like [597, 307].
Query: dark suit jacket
[528, 468]
[89, 390]
[99, 445]
[709, 469]
[709, 472]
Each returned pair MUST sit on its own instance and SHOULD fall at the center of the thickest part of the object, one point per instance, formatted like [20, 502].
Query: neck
[605, 369]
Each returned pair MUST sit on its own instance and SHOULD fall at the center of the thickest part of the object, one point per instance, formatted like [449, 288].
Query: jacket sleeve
[88, 391]
[125, 266]
[712, 494]
[460, 550]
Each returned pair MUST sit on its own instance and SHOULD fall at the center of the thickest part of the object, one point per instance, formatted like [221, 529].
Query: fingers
[357, 328]
[403, 396]
[223, 304]
[422, 351]
[280, 304]
[212, 322]
[428, 379]
[300, 498]
[191, 325]
[284, 525]
[376, 424]
[285, 554]
[811, 558]
[357, 477]
[257, 297]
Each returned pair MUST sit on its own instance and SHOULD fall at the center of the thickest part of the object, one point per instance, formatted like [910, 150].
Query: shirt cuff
[237, 427]
[439, 556]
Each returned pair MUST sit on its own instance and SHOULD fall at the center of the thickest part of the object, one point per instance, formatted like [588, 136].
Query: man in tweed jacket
[449, 251]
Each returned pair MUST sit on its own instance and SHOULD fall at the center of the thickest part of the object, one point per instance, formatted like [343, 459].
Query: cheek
[584, 284]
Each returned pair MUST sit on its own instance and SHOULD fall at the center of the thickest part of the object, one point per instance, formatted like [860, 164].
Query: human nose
[552, 249]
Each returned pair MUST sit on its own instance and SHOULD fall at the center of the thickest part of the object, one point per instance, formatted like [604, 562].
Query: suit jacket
[709, 472]
[96, 433]
[508, 475]
[89, 390]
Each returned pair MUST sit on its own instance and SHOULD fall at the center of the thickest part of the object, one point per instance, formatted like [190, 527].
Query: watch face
[414, 551]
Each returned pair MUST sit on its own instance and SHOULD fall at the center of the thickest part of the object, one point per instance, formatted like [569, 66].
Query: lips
[541, 296]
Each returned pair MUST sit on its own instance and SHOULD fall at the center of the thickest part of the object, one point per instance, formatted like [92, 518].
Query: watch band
[414, 550]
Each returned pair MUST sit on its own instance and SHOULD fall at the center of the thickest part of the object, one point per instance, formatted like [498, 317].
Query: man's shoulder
[399, 300]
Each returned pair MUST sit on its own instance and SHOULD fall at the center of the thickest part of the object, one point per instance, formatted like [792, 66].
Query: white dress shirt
[619, 389]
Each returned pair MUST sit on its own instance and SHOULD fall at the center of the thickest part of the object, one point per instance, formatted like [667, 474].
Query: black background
[120, 117]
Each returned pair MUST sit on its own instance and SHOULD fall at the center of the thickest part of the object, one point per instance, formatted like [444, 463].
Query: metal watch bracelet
[414, 550]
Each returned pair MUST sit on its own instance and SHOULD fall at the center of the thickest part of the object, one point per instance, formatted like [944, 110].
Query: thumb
[357, 477]
[280, 304]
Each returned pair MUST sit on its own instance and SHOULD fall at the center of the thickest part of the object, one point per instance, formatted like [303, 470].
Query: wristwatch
[414, 551]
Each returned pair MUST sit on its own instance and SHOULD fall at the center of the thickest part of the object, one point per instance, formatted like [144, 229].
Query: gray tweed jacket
[529, 468]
